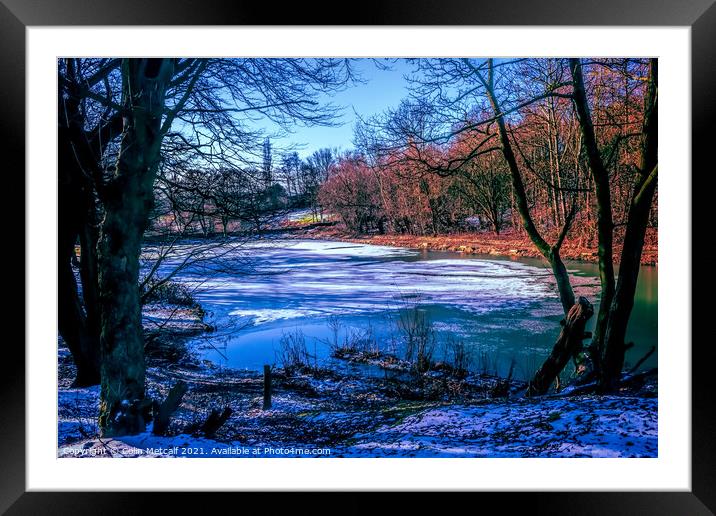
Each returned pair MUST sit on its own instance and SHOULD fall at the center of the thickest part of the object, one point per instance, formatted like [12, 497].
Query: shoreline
[509, 244]
[328, 413]
[339, 411]
[342, 408]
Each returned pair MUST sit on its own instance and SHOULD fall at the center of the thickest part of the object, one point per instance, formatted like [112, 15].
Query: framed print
[424, 249]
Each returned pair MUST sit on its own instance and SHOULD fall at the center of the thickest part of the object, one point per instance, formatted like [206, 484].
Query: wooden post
[163, 411]
[215, 421]
[267, 387]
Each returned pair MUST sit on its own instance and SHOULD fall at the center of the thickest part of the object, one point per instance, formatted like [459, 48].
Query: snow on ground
[572, 427]
[77, 410]
[599, 427]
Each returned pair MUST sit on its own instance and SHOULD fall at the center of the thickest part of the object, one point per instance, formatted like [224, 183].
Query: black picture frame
[17, 15]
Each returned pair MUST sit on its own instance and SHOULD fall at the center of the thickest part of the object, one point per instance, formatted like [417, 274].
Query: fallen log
[626, 380]
[568, 344]
[631, 379]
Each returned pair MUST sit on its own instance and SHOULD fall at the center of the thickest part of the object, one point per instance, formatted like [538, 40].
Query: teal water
[503, 309]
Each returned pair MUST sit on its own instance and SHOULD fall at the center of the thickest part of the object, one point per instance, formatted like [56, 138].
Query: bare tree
[460, 98]
[317, 167]
[617, 301]
[538, 115]
[487, 188]
[85, 131]
[164, 108]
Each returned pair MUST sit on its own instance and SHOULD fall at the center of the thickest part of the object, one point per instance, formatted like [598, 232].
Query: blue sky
[382, 89]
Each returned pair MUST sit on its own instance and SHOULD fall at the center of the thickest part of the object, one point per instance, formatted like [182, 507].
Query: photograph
[357, 257]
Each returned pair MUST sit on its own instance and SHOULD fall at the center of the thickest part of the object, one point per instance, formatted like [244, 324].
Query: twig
[642, 360]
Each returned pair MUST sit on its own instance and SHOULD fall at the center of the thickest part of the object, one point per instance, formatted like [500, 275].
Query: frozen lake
[502, 309]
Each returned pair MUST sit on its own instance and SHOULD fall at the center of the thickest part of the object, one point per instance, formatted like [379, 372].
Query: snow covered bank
[589, 426]
[598, 427]
[345, 412]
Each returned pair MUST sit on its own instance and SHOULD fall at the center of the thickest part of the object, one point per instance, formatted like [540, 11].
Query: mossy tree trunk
[637, 221]
[608, 347]
[568, 345]
[128, 199]
[605, 224]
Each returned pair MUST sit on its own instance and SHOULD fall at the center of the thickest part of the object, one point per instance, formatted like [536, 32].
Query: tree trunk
[568, 344]
[73, 326]
[605, 225]
[89, 239]
[564, 286]
[638, 219]
[128, 202]
[76, 324]
[79, 152]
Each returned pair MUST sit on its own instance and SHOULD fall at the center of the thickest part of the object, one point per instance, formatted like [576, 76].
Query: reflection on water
[502, 308]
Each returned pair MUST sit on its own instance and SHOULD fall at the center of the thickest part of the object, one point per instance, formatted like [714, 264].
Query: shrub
[292, 353]
[419, 337]
[487, 362]
[457, 356]
[355, 340]
[169, 292]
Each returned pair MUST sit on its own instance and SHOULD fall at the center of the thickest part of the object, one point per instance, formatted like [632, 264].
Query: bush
[487, 362]
[292, 353]
[419, 337]
[457, 357]
[334, 324]
[355, 340]
[169, 292]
